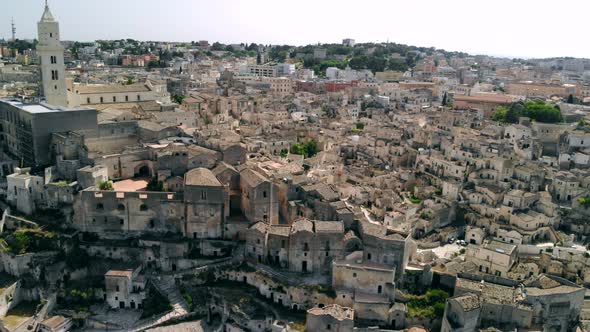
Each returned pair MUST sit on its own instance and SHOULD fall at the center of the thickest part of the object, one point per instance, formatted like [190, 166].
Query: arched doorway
[142, 171]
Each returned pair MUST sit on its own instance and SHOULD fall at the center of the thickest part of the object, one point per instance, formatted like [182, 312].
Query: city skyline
[233, 21]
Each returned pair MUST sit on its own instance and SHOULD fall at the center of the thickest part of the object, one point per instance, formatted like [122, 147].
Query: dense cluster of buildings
[345, 194]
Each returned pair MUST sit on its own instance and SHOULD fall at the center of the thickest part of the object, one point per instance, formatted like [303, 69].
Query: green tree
[105, 185]
[536, 110]
[311, 147]
[543, 112]
[307, 149]
[397, 65]
[515, 111]
[178, 98]
[156, 64]
[298, 149]
[217, 46]
[584, 201]
[500, 114]
[155, 185]
[444, 99]
[77, 258]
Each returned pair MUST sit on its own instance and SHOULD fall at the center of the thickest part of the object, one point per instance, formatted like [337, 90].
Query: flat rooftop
[40, 108]
[131, 184]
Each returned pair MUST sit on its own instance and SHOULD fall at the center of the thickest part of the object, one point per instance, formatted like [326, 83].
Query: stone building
[493, 257]
[259, 201]
[306, 246]
[313, 244]
[481, 302]
[130, 212]
[381, 245]
[364, 277]
[24, 190]
[330, 318]
[125, 289]
[205, 201]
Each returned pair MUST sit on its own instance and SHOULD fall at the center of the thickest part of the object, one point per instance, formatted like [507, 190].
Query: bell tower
[51, 54]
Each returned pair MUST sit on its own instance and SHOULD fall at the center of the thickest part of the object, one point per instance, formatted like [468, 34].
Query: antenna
[13, 29]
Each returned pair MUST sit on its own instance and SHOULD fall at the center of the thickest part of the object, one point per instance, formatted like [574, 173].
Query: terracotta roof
[149, 125]
[487, 98]
[302, 225]
[329, 226]
[279, 230]
[252, 177]
[110, 88]
[201, 177]
[222, 167]
[119, 273]
[259, 226]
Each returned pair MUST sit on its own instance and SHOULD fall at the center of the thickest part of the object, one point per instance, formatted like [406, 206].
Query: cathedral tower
[51, 53]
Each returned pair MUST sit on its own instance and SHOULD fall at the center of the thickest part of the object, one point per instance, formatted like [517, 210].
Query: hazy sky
[526, 28]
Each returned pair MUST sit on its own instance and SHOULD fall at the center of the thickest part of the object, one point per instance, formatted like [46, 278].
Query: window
[126, 98]
[101, 100]
[369, 256]
[114, 99]
[264, 194]
[99, 206]
[121, 221]
[117, 288]
[143, 207]
[87, 100]
[203, 194]
[138, 97]
[121, 207]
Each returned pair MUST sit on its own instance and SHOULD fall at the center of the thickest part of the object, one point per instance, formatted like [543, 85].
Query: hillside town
[167, 186]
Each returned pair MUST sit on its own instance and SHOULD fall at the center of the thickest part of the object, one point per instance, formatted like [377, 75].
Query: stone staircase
[166, 286]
